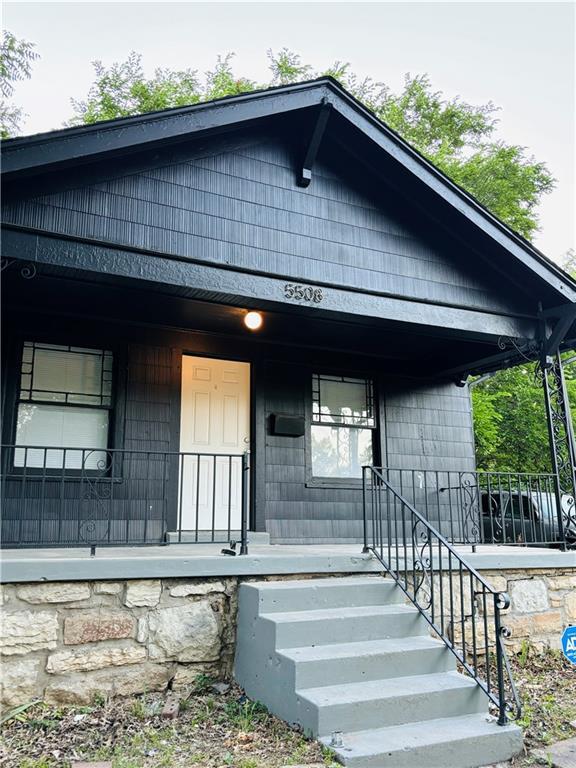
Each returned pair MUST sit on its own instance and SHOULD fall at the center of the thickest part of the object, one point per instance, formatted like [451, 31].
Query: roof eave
[44, 152]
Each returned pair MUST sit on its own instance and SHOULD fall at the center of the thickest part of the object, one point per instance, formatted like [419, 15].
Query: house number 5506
[303, 292]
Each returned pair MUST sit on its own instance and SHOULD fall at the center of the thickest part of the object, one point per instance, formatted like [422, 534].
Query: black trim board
[229, 286]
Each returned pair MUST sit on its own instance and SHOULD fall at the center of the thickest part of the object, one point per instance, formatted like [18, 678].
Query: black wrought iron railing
[62, 497]
[460, 606]
[469, 507]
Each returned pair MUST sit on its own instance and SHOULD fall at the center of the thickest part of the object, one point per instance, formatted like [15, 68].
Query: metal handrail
[424, 565]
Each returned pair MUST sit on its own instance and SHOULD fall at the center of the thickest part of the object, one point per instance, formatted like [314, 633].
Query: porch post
[561, 436]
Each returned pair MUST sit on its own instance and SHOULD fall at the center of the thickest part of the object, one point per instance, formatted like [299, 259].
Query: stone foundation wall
[68, 642]
[543, 604]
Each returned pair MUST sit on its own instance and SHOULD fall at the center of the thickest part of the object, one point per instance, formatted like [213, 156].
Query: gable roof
[45, 152]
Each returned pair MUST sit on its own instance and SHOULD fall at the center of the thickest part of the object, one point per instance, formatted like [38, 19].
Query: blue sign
[569, 644]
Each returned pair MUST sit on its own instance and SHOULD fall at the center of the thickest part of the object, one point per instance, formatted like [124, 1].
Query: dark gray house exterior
[133, 388]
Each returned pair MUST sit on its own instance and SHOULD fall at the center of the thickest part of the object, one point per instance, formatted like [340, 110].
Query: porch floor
[189, 560]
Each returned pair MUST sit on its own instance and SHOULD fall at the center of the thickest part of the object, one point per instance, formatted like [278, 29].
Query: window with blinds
[343, 423]
[64, 405]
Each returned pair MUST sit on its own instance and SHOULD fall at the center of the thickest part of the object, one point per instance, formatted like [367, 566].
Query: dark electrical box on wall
[289, 426]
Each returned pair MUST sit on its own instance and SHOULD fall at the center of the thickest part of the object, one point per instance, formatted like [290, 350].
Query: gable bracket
[567, 316]
[305, 174]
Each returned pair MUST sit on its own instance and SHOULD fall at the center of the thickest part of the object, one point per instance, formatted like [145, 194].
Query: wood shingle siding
[242, 208]
[423, 426]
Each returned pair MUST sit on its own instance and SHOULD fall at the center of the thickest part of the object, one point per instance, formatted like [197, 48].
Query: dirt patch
[216, 728]
[212, 730]
[546, 682]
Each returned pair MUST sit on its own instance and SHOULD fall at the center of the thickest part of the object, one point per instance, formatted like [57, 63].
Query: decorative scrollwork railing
[550, 373]
[471, 507]
[460, 606]
[55, 496]
[97, 496]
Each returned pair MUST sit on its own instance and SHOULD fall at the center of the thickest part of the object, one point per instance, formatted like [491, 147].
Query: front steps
[348, 655]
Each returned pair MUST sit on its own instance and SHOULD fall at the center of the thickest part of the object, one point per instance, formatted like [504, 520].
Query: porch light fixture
[253, 320]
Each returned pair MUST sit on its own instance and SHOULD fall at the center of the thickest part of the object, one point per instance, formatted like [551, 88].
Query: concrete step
[469, 741]
[394, 701]
[313, 594]
[318, 665]
[347, 654]
[341, 625]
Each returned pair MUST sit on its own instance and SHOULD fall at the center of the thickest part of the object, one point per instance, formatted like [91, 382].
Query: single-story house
[243, 321]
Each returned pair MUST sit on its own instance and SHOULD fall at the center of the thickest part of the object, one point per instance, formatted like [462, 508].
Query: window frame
[13, 391]
[323, 481]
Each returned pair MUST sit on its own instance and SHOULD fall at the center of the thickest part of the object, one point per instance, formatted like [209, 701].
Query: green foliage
[202, 684]
[286, 67]
[454, 135]
[245, 714]
[504, 180]
[16, 59]
[510, 422]
[569, 262]
[510, 425]
[221, 81]
[123, 90]
[457, 138]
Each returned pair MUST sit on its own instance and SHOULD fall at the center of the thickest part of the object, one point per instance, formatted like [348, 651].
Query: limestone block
[142, 632]
[20, 681]
[189, 632]
[564, 581]
[499, 583]
[529, 595]
[25, 631]
[108, 587]
[120, 681]
[143, 592]
[198, 588]
[186, 674]
[97, 658]
[92, 626]
[56, 592]
[535, 626]
[571, 607]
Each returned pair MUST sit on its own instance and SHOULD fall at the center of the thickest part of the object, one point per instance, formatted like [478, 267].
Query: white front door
[214, 433]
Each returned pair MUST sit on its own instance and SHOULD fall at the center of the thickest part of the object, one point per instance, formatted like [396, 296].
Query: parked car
[526, 517]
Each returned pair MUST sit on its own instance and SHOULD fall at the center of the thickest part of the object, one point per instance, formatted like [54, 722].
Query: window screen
[65, 402]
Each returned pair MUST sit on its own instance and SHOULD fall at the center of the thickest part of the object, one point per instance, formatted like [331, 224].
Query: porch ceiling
[402, 348]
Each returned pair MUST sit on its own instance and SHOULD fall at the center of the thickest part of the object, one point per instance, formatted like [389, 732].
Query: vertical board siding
[243, 208]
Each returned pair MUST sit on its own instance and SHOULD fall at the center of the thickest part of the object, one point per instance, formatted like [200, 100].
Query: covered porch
[312, 400]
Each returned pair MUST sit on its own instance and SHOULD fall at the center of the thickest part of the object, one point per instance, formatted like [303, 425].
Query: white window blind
[65, 399]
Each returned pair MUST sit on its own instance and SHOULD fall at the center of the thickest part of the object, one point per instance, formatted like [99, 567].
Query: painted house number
[303, 292]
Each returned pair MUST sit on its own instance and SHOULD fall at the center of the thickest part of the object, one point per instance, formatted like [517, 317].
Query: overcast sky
[519, 55]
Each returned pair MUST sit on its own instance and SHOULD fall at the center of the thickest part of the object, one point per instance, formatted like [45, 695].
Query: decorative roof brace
[561, 437]
[323, 114]
[565, 315]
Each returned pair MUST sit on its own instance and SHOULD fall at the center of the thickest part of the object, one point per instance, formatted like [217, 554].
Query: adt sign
[569, 644]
